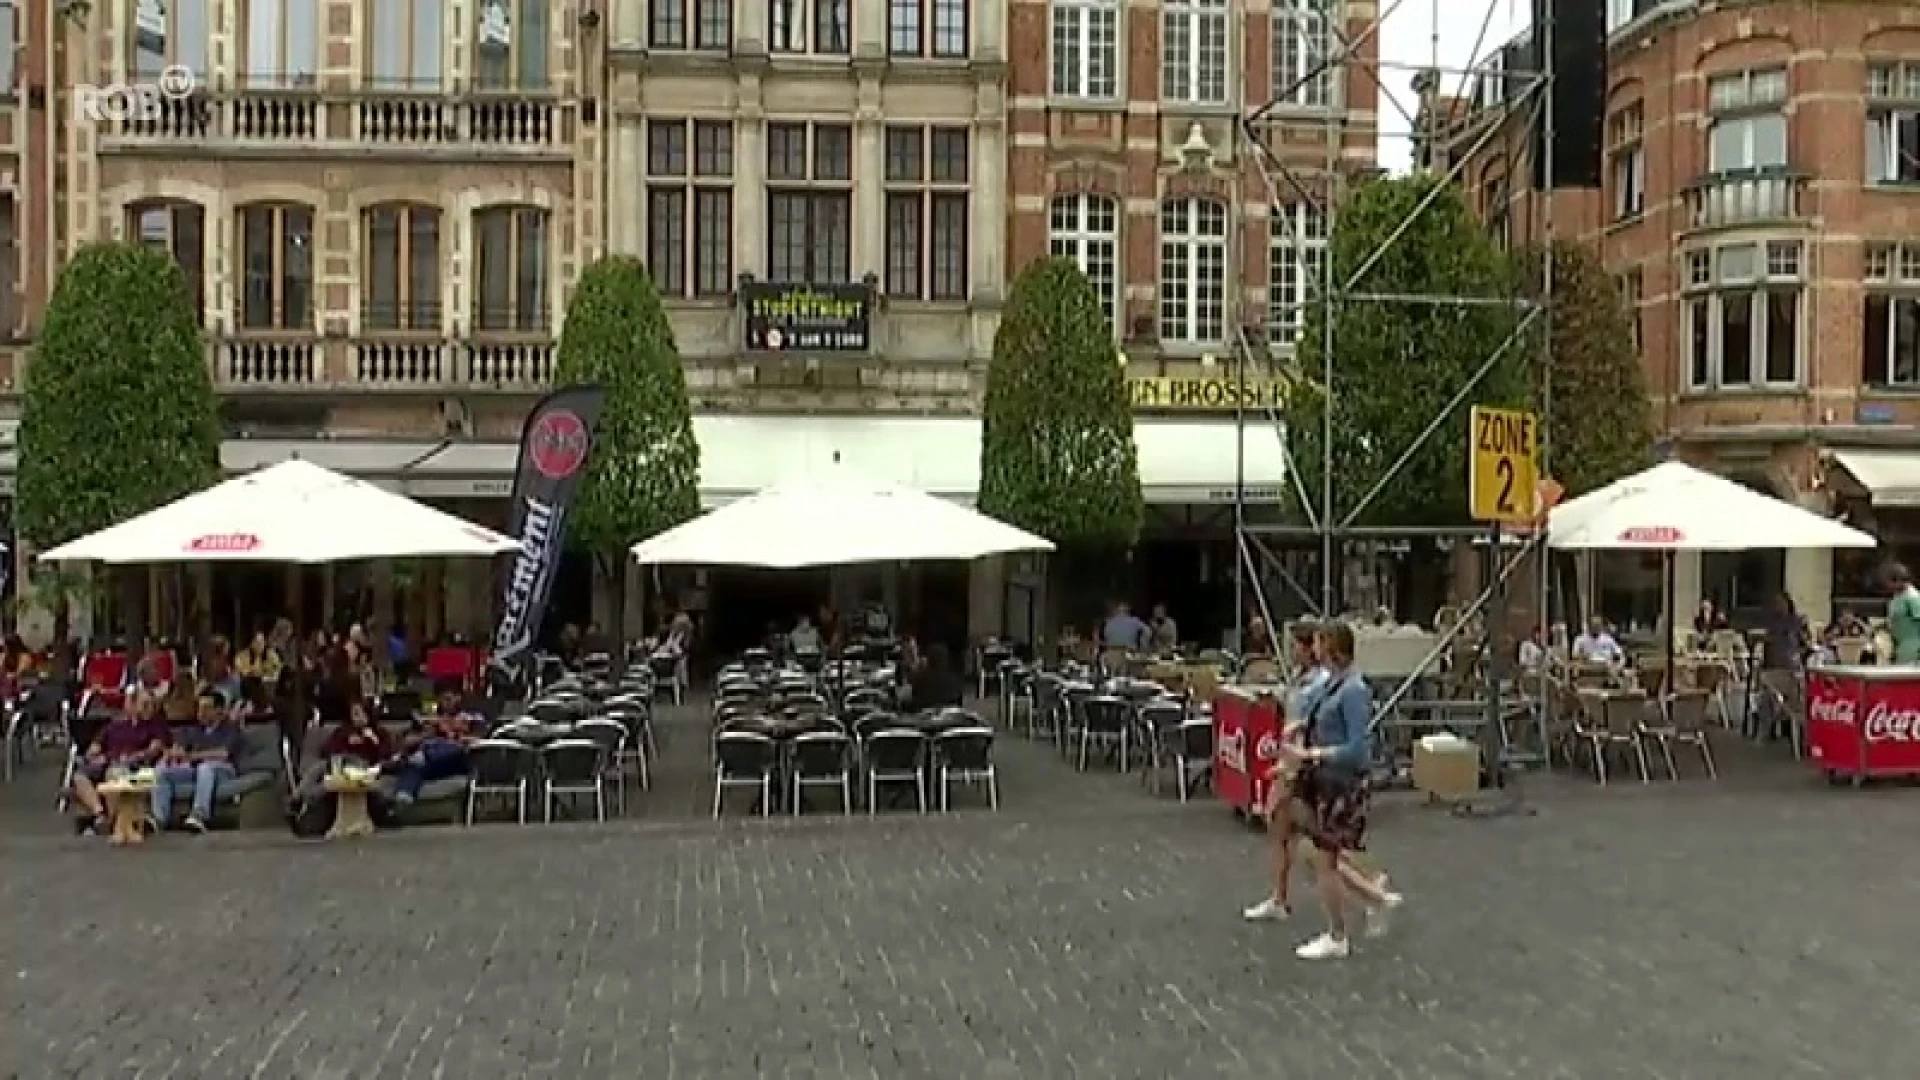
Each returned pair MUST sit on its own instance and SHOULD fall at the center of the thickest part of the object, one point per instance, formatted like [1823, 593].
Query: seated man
[1597, 646]
[435, 749]
[133, 739]
[200, 759]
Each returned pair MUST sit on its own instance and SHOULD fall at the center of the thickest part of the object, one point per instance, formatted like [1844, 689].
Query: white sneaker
[1268, 910]
[1324, 947]
[1380, 918]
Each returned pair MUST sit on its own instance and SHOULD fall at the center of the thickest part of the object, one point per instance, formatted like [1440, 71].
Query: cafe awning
[1891, 477]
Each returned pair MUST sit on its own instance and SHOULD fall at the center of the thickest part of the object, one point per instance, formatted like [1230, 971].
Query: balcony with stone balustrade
[474, 126]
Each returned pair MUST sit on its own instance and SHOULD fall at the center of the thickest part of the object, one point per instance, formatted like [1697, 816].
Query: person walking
[1332, 787]
[1903, 615]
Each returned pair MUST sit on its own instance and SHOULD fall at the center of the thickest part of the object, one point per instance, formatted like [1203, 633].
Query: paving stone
[1758, 927]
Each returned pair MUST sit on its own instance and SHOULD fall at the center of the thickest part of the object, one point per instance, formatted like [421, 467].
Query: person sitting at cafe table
[435, 749]
[1165, 638]
[1596, 645]
[1124, 630]
[356, 739]
[180, 705]
[804, 638]
[935, 684]
[199, 759]
[133, 739]
[258, 661]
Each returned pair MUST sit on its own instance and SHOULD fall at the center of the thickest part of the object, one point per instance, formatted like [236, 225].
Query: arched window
[511, 251]
[276, 256]
[401, 274]
[180, 230]
[1086, 229]
[1193, 272]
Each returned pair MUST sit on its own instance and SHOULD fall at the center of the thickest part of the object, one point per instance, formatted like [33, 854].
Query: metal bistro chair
[500, 767]
[639, 747]
[1104, 719]
[965, 754]
[613, 738]
[1016, 694]
[744, 759]
[821, 759]
[1153, 720]
[990, 667]
[666, 675]
[1044, 715]
[895, 756]
[1188, 748]
[575, 767]
[1685, 722]
[1625, 713]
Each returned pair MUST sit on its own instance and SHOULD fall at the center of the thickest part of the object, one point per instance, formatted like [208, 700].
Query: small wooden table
[350, 791]
[127, 800]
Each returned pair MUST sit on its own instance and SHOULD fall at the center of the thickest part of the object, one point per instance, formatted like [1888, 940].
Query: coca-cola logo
[1268, 748]
[1886, 724]
[1834, 710]
[1232, 751]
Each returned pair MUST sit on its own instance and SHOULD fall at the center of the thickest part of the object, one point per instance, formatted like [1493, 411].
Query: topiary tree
[118, 415]
[1057, 456]
[1600, 424]
[644, 475]
[1396, 365]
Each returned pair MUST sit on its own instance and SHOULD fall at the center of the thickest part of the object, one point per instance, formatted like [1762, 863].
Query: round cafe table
[350, 791]
[127, 799]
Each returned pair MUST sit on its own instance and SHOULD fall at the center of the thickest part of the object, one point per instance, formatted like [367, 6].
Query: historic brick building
[1760, 209]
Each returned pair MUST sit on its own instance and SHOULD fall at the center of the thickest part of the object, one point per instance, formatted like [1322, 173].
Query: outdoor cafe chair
[965, 755]
[862, 701]
[640, 747]
[1186, 750]
[575, 767]
[500, 767]
[1104, 720]
[614, 739]
[895, 756]
[1685, 722]
[1624, 714]
[821, 759]
[553, 712]
[1150, 721]
[744, 759]
[666, 676]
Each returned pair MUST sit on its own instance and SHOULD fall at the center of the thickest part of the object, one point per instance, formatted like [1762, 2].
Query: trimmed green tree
[644, 477]
[118, 415]
[1397, 364]
[1600, 424]
[1057, 455]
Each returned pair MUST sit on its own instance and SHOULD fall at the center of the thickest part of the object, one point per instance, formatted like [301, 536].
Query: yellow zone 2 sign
[1503, 465]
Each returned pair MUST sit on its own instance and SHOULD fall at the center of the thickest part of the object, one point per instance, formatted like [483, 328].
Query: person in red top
[357, 739]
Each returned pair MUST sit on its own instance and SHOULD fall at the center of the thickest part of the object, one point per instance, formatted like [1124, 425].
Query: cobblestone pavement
[1757, 928]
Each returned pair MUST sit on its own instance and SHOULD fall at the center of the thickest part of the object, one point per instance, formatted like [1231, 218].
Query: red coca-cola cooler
[1864, 722]
[1246, 745]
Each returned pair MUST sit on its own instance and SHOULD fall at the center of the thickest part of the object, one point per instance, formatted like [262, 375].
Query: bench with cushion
[255, 796]
[441, 801]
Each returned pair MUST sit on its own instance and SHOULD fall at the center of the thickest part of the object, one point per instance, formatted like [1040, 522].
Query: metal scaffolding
[1520, 118]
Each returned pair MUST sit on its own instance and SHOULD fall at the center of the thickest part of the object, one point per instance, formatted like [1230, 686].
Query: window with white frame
[283, 43]
[809, 203]
[1086, 48]
[1298, 256]
[511, 47]
[1892, 317]
[1743, 310]
[406, 38]
[1627, 161]
[1749, 131]
[1086, 229]
[1303, 37]
[1193, 52]
[1193, 272]
[1893, 123]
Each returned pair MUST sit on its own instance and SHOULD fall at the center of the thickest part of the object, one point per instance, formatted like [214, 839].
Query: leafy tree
[1057, 456]
[1600, 425]
[644, 475]
[118, 415]
[1397, 364]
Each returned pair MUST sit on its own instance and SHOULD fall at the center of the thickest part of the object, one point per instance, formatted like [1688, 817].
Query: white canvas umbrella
[835, 519]
[1676, 507]
[293, 512]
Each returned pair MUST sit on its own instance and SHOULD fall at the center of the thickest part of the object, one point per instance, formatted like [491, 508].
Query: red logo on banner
[1652, 535]
[558, 445]
[214, 543]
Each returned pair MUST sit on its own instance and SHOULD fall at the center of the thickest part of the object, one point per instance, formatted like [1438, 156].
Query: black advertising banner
[807, 318]
[554, 450]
